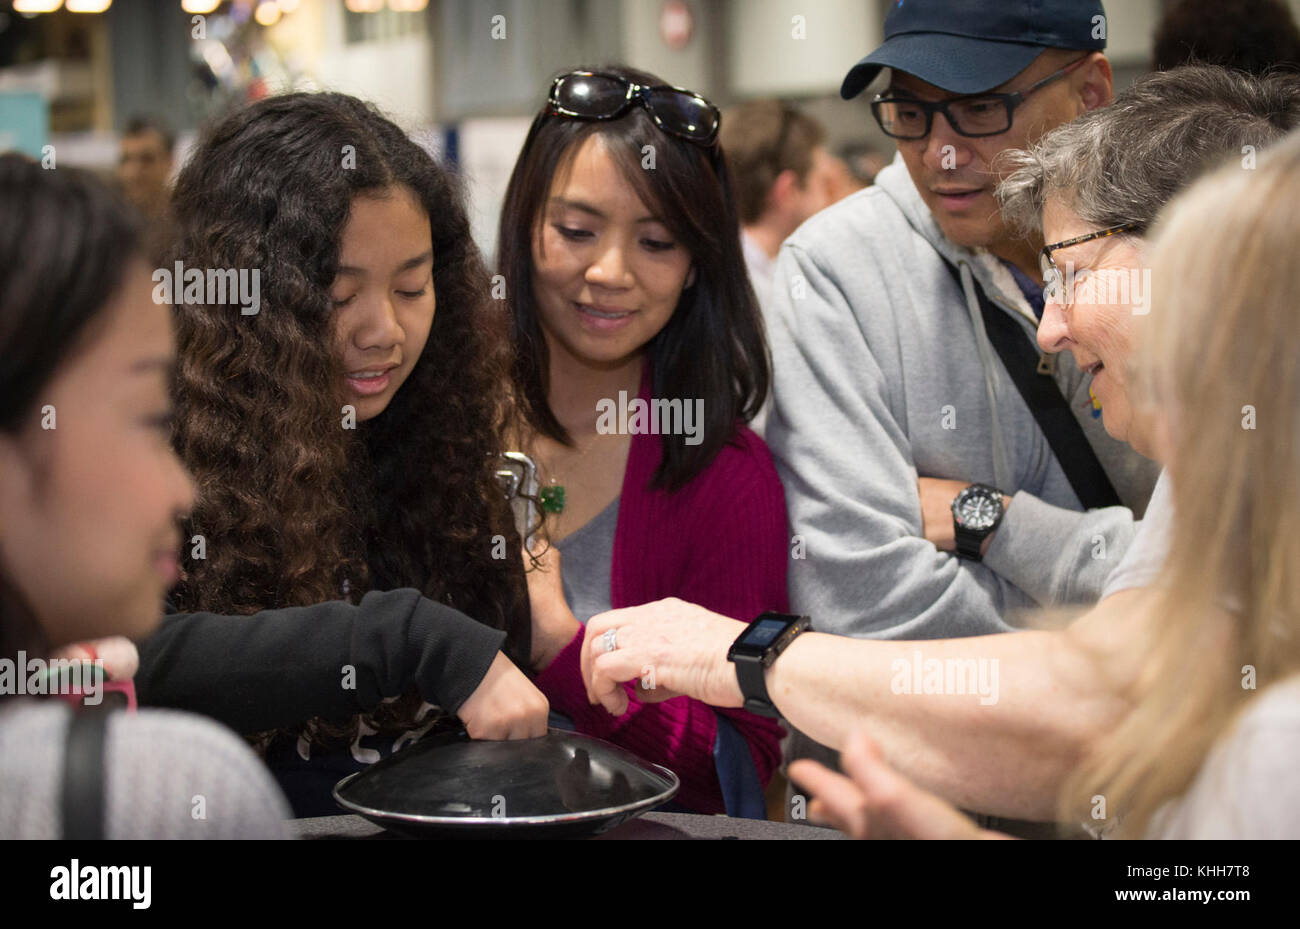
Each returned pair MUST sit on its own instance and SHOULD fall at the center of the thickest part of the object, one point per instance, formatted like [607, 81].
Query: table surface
[648, 826]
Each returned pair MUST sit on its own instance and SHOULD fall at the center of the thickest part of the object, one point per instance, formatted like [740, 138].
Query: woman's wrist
[548, 647]
[778, 674]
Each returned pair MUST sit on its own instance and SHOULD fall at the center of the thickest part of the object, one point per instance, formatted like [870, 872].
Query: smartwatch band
[751, 674]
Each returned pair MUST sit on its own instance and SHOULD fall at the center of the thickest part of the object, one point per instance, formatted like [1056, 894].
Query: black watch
[754, 651]
[976, 512]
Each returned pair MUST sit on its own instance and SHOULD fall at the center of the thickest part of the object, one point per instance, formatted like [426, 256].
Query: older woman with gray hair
[1097, 185]
[1092, 189]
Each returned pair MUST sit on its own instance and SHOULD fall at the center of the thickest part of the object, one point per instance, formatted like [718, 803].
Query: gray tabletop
[649, 826]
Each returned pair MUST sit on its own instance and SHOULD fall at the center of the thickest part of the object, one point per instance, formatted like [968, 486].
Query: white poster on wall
[488, 149]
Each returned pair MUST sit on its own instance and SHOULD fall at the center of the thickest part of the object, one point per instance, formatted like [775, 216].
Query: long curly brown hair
[294, 508]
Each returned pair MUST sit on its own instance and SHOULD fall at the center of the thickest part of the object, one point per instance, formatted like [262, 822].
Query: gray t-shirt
[169, 775]
[1247, 788]
[588, 563]
[1146, 554]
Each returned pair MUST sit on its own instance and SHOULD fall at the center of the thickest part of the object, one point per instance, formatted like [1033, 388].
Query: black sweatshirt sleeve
[279, 668]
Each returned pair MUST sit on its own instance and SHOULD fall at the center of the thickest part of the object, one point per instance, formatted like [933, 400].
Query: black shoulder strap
[1040, 393]
[83, 775]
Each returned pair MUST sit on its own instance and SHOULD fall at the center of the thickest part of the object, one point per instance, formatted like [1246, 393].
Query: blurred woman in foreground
[90, 497]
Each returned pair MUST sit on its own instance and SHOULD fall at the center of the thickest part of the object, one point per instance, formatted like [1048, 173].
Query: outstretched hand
[873, 801]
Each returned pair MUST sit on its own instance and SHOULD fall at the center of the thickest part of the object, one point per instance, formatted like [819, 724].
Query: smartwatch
[754, 651]
[976, 512]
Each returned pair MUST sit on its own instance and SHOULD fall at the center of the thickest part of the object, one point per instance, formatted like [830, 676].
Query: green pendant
[552, 498]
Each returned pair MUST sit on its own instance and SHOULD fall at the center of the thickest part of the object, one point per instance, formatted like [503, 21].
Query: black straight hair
[65, 243]
[713, 348]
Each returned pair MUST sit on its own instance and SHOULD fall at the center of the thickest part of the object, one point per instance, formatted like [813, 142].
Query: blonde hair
[1220, 358]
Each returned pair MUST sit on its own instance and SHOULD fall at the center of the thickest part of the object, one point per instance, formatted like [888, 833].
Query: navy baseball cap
[970, 46]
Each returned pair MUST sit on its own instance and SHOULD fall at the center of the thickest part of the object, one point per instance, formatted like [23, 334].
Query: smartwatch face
[764, 632]
[977, 510]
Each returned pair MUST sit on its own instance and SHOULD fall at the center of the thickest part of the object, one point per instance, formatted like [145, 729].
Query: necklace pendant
[552, 498]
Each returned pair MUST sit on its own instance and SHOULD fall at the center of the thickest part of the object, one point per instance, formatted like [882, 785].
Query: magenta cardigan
[719, 542]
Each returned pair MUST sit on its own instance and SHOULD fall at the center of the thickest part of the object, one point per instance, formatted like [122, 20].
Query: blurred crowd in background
[121, 88]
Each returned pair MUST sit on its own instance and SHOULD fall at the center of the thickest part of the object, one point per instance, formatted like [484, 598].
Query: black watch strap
[751, 674]
[969, 543]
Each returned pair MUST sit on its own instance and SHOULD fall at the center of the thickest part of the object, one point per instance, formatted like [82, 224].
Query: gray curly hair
[1122, 163]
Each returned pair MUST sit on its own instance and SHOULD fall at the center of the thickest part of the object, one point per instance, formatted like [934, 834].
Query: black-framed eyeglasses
[1054, 284]
[594, 95]
[974, 116]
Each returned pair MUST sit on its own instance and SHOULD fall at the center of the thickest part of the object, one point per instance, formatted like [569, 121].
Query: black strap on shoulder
[83, 775]
[1039, 391]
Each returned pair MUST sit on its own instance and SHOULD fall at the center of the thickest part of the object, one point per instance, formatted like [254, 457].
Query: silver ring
[611, 639]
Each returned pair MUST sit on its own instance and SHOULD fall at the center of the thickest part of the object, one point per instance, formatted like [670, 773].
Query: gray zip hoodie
[883, 373]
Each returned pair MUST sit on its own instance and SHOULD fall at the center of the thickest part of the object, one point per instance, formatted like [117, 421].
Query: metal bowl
[562, 783]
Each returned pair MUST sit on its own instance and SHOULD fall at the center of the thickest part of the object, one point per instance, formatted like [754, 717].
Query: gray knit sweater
[169, 775]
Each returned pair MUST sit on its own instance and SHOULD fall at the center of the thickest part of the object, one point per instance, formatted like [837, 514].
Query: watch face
[977, 510]
[761, 633]
[764, 632]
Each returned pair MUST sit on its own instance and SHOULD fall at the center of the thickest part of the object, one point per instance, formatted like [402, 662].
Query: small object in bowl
[562, 783]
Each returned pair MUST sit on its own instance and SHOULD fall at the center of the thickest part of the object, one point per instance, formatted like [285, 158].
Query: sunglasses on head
[593, 95]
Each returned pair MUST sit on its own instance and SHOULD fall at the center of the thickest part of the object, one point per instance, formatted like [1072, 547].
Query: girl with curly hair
[640, 357]
[342, 437]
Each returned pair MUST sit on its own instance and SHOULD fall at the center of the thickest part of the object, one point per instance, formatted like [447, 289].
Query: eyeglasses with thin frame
[1053, 279]
[598, 96]
[974, 116]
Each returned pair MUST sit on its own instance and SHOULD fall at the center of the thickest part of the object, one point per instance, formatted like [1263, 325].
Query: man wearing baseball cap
[903, 337]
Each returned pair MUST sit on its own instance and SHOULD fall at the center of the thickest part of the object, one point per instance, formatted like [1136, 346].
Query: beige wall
[797, 47]
[396, 73]
[695, 66]
[1131, 25]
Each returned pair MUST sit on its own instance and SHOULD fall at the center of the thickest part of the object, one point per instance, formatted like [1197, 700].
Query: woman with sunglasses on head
[343, 439]
[88, 552]
[620, 248]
